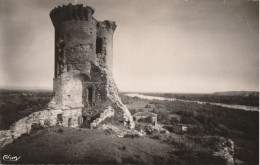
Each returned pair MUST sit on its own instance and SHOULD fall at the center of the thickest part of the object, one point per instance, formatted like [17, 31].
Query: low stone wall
[45, 118]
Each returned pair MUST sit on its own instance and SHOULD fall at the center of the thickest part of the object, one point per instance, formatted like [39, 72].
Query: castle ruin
[83, 83]
[85, 94]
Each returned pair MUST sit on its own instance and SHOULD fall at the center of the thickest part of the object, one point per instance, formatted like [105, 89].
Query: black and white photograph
[162, 82]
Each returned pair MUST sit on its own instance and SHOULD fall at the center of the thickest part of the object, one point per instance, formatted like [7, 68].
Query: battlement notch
[71, 12]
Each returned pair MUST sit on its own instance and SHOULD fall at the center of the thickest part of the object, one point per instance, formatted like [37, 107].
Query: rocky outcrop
[226, 151]
[119, 130]
[109, 112]
[112, 94]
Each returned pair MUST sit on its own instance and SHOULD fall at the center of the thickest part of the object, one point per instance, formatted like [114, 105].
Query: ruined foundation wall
[41, 119]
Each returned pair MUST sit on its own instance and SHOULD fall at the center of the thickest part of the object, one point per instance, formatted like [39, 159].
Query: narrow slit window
[90, 94]
[69, 122]
[99, 44]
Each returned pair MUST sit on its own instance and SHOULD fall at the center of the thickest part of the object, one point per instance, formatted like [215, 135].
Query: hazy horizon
[120, 91]
[174, 46]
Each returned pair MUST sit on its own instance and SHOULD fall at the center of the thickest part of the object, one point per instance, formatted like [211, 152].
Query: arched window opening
[80, 120]
[59, 119]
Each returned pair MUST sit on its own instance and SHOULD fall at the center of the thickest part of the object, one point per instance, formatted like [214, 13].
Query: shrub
[109, 132]
[147, 106]
[36, 127]
[60, 130]
[122, 148]
[156, 137]
[131, 136]
[47, 122]
[196, 130]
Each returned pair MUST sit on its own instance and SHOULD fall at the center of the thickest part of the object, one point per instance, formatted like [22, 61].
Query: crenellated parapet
[106, 25]
[71, 12]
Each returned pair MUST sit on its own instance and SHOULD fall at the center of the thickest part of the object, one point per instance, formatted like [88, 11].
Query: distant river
[243, 107]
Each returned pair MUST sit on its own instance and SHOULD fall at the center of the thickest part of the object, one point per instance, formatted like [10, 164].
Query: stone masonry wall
[45, 118]
[68, 92]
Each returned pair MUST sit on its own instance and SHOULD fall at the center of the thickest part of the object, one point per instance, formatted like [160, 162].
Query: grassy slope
[87, 146]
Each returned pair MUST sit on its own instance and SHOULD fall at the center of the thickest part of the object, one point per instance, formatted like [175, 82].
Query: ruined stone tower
[83, 84]
[85, 94]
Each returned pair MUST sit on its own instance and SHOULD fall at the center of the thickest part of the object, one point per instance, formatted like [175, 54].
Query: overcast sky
[159, 45]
